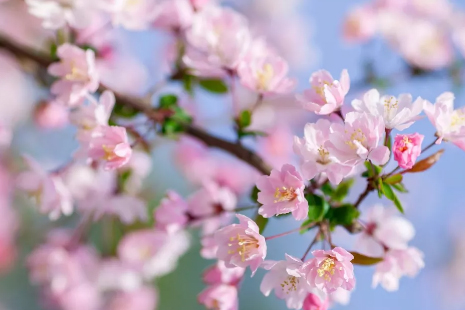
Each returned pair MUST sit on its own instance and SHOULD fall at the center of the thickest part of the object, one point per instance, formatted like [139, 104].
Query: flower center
[290, 284]
[284, 194]
[457, 119]
[264, 76]
[243, 244]
[407, 142]
[109, 153]
[324, 154]
[357, 135]
[391, 103]
[76, 75]
[320, 89]
[326, 269]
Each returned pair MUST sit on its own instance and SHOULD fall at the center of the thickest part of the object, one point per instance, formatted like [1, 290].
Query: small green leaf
[342, 190]
[317, 207]
[327, 189]
[360, 259]
[398, 205]
[393, 179]
[245, 119]
[261, 222]
[188, 82]
[214, 86]
[168, 101]
[400, 188]
[387, 191]
[344, 215]
[254, 194]
[123, 177]
[254, 134]
[124, 111]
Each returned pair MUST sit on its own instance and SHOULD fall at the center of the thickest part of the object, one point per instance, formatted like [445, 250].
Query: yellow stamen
[284, 194]
[243, 245]
[264, 76]
[320, 89]
[290, 284]
[357, 135]
[326, 269]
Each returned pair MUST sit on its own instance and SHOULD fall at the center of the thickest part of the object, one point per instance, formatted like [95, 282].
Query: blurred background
[309, 35]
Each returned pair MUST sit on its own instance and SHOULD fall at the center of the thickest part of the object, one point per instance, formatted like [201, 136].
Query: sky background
[435, 204]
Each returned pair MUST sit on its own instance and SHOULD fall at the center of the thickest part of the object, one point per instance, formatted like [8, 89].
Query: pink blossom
[82, 296]
[219, 297]
[266, 74]
[56, 14]
[313, 302]
[218, 40]
[360, 24]
[326, 95]
[144, 298]
[276, 148]
[109, 144]
[330, 270]
[384, 228]
[241, 245]
[140, 166]
[397, 113]
[88, 117]
[449, 123]
[77, 73]
[49, 191]
[198, 4]
[209, 206]
[282, 192]
[209, 247]
[153, 253]
[406, 149]
[115, 275]
[171, 215]
[51, 115]
[6, 135]
[358, 139]
[133, 15]
[315, 154]
[127, 208]
[287, 281]
[397, 263]
[220, 274]
[173, 14]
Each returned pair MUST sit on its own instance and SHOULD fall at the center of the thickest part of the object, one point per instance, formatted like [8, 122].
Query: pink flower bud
[406, 149]
[313, 302]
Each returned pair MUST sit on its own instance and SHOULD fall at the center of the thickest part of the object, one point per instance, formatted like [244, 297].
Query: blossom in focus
[51, 115]
[314, 302]
[218, 40]
[360, 24]
[219, 297]
[406, 149]
[241, 245]
[153, 253]
[397, 113]
[396, 264]
[358, 139]
[287, 280]
[282, 192]
[207, 205]
[266, 74]
[77, 73]
[384, 229]
[89, 117]
[326, 95]
[449, 123]
[55, 14]
[330, 270]
[48, 190]
[219, 273]
[171, 215]
[315, 155]
[144, 298]
[109, 145]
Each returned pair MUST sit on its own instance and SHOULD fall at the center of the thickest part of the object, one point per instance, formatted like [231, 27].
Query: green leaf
[400, 188]
[254, 194]
[168, 101]
[317, 207]
[254, 134]
[360, 259]
[188, 82]
[261, 222]
[214, 86]
[124, 111]
[372, 169]
[389, 193]
[393, 179]
[342, 190]
[398, 205]
[344, 215]
[327, 189]
[123, 177]
[245, 119]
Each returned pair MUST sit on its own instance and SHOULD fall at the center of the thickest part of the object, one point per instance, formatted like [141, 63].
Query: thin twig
[290, 231]
[314, 241]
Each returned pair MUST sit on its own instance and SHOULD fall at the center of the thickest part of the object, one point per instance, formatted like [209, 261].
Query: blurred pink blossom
[144, 298]
[173, 14]
[51, 115]
[171, 214]
[89, 117]
[220, 274]
[219, 296]
[360, 24]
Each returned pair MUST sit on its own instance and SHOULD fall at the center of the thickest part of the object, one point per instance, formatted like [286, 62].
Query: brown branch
[145, 107]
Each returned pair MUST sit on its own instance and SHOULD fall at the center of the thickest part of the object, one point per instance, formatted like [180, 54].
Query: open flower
[220, 274]
[51, 194]
[397, 263]
[358, 140]
[56, 14]
[449, 123]
[326, 95]
[330, 270]
[406, 149]
[241, 245]
[287, 280]
[219, 297]
[266, 74]
[315, 155]
[77, 73]
[88, 117]
[397, 113]
[282, 192]
[109, 144]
